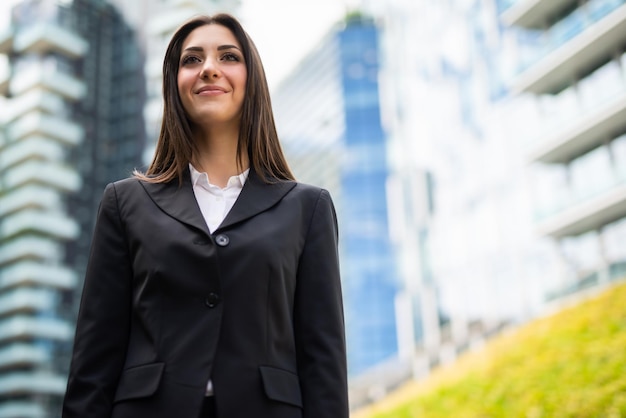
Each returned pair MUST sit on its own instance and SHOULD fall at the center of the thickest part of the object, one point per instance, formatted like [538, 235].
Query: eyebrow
[219, 48]
[222, 47]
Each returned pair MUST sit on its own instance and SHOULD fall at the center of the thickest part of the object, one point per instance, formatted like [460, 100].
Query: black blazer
[256, 306]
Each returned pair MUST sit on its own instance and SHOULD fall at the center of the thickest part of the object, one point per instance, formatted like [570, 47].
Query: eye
[229, 56]
[190, 59]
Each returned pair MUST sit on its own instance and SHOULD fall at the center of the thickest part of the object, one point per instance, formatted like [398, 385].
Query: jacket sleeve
[318, 318]
[103, 320]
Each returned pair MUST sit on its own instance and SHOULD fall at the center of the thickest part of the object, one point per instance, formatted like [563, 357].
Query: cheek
[242, 80]
[185, 81]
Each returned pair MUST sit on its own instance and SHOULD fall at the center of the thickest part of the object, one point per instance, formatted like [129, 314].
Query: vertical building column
[35, 180]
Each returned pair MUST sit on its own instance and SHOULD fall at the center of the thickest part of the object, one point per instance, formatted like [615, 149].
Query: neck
[217, 155]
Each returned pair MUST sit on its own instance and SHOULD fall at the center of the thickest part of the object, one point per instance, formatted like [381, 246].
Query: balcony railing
[24, 300]
[29, 197]
[585, 133]
[41, 124]
[56, 225]
[34, 100]
[582, 40]
[23, 409]
[55, 175]
[594, 199]
[26, 249]
[34, 147]
[582, 117]
[49, 37]
[63, 84]
[25, 327]
[24, 383]
[32, 273]
[531, 13]
[22, 355]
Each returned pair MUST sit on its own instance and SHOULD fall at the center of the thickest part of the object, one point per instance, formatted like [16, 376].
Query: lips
[207, 90]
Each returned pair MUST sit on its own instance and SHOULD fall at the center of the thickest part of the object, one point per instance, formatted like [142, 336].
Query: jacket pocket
[281, 385]
[139, 381]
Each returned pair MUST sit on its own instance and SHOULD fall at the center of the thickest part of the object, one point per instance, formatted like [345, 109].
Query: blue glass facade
[370, 284]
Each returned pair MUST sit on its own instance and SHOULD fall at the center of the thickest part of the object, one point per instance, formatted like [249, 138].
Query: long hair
[257, 132]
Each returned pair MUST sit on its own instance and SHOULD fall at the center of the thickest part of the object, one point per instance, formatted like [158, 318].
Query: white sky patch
[284, 31]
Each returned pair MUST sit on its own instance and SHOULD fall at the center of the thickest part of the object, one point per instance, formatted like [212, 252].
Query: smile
[210, 90]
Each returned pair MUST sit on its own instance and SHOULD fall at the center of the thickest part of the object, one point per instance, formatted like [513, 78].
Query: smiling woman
[212, 82]
[213, 285]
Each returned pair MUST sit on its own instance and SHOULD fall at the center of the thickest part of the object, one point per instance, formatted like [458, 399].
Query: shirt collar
[202, 179]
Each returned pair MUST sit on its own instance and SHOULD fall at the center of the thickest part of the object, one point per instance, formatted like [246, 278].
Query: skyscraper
[328, 116]
[72, 122]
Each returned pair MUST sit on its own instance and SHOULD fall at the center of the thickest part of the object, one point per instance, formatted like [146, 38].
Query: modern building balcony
[586, 215]
[29, 197]
[586, 44]
[25, 301]
[22, 327]
[24, 383]
[32, 273]
[584, 131]
[55, 175]
[32, 147]
[49, 37]
[533, 13]
[22, 355]
[41, 124]
[63, 84]
[34, 100]
[25, 250]
[22, 409]
[55, 225]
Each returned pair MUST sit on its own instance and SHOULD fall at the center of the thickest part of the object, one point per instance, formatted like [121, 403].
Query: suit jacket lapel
[177, 201]
[256, 197]
[180, 202]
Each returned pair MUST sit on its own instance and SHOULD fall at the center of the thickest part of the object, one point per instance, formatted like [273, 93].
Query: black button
[212, 300]
[222, 240]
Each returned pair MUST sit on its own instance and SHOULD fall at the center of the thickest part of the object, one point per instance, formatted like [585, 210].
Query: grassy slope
[571, 364]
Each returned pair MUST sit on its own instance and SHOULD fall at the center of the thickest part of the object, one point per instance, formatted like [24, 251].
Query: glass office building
[72, 92]
[328, 116]
[370, 279]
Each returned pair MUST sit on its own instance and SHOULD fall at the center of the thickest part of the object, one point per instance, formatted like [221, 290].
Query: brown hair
[257, 132]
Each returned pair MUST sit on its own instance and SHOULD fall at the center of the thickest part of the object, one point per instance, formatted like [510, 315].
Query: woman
[213, 283]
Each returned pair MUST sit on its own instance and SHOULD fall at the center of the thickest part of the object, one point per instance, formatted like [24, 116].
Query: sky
[283, 30]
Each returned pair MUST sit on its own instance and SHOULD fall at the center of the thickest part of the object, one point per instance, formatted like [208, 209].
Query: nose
[209, 69]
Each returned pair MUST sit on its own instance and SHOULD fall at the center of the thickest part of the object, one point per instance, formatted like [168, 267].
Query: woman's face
[212, 76]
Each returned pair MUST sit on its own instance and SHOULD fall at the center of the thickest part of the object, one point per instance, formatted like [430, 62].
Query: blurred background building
[475, 150]
[73, 92]
[328, 116]
[572, 70]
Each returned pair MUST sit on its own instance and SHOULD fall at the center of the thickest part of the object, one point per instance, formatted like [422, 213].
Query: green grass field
[571, 364]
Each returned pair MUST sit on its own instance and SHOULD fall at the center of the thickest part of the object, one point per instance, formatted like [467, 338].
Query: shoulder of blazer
[312, 193]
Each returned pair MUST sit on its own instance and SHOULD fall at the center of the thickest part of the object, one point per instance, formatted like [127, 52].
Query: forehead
[212, 35]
